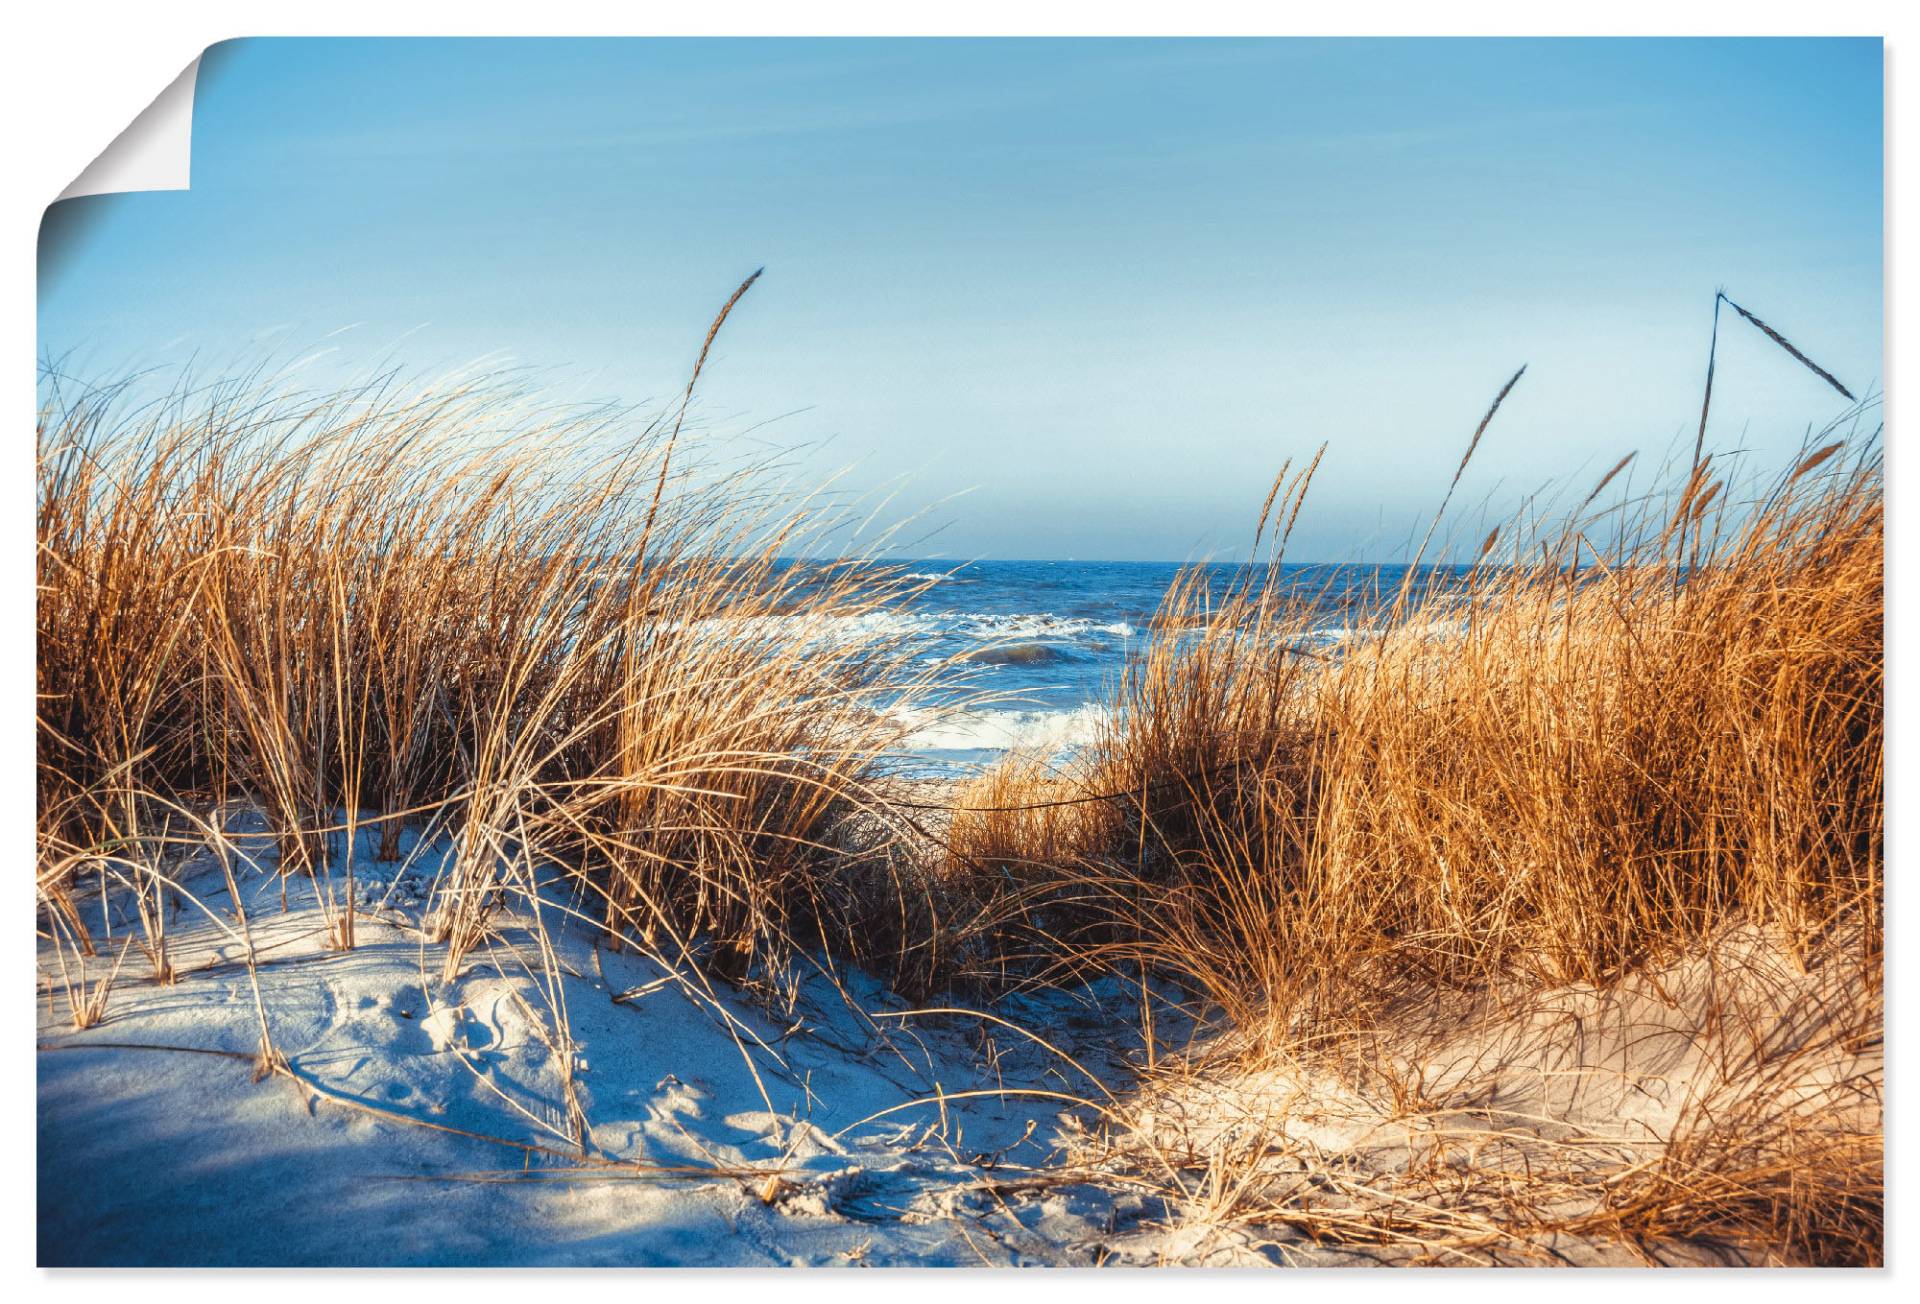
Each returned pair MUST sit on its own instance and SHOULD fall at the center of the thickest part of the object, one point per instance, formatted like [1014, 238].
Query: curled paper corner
[155, 152]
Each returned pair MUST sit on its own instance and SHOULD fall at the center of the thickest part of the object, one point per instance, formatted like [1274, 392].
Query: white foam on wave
[1034, 624]
[1042, 731]
[982, 625]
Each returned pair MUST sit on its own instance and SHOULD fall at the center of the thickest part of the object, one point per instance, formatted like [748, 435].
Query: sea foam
[1055, 733]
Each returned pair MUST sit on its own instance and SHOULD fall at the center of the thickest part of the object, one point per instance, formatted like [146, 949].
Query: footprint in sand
[452, 1027]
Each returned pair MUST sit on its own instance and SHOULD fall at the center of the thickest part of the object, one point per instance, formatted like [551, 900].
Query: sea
[1058, 636]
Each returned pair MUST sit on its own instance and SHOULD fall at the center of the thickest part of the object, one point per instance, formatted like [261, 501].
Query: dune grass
[1558, 766]
[559, 640]
[457, 609]
[1587, 755]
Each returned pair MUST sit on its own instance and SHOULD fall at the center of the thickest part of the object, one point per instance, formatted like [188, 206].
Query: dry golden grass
[1654, 723]
[557, 641]
[536, 632]
[1562, 768]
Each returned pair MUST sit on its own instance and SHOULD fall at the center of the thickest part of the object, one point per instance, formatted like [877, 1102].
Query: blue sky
[1104, 286]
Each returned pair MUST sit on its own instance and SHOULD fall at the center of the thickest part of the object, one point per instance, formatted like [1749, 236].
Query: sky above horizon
[1099, 289]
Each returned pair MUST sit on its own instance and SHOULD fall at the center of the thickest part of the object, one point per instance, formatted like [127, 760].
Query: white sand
[1570, 1088]
[161, 1156]
[720, 1133]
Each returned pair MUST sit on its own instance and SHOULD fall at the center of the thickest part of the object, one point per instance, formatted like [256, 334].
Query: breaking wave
[981, 733]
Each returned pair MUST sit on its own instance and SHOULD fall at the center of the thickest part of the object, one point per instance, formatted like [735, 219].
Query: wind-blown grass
[1506, 799]
[1558, 766]
[451, 607]
[581, 656]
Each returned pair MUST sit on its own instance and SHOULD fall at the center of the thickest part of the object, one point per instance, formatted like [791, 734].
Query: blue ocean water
[1060, 633]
